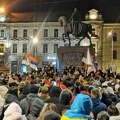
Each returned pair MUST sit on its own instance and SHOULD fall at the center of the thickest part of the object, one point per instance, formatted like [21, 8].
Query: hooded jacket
[35, 109]
[13, 112]
[65, 98]
[54, 95]
[26, 103]
[98, 106]
[80, 109]
[9, 98]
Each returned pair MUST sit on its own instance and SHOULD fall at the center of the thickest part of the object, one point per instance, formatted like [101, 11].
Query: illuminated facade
[17, 37]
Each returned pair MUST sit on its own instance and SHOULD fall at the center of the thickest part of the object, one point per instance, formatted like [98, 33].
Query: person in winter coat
[80, 108]
[24, 92]
[3, 92]
[12, 96]
[50, 115]
[113, 112]
[54, 95]
[103, 115]
[26, 103]
[47, 107]
[35, 109]
[14, 112]
[98, 106]
[44, 95]
[65, 97]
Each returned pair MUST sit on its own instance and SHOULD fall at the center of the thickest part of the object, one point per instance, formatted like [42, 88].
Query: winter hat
[44, 89]
[55, 91]
[65, 97]
[13, 90]
[33, 89]
[26, 89]
[50, 115]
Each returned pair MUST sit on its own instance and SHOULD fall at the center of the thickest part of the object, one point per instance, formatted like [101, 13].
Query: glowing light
[7, 45]
[2, 9]
[53, 63]
[51, 58]
[35, 40]
[110, 33]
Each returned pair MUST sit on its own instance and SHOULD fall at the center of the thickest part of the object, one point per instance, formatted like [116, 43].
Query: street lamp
[35, 41]
[2, 10]
[111, 35]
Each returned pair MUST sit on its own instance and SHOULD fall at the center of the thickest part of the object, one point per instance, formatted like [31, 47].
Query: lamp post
[35, 41]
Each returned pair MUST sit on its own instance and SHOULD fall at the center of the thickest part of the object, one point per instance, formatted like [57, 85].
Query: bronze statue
[75, 21]
[80, 31]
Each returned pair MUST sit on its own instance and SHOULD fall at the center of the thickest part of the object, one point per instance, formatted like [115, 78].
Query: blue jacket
[98, 106]
[80, 109]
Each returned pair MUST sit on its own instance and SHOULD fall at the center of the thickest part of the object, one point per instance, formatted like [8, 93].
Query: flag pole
[85, 69]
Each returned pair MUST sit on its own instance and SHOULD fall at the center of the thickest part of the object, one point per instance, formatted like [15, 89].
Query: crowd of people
[46, 95]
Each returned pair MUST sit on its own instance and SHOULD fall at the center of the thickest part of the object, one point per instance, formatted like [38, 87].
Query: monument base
[73, 55]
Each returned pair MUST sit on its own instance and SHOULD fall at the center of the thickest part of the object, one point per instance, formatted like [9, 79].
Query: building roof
[34, 17]
[109, 9]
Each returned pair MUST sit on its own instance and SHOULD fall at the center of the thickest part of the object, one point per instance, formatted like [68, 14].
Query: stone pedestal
[73, 55]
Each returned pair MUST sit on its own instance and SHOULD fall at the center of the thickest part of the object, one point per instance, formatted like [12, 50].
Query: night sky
[110, 9]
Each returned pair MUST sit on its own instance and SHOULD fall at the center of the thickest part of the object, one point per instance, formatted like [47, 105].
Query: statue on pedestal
[75, 21]
[75, 27]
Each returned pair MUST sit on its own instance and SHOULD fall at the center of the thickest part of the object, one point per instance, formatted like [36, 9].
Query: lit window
[55, 32]
[24, 48]
[55, 48]
[2, 33]
[45, 32]
[45, 48]
[14, 48]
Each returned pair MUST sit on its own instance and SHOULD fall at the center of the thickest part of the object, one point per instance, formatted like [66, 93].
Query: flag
[33, 62]
[33, 65]
[88, 60]
[25, 60]
[58, 65]
[30, 60]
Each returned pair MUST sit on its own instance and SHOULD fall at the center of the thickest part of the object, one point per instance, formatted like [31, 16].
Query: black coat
[26, 103]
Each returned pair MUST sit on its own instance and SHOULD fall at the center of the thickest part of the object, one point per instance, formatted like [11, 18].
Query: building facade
[41, 39]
